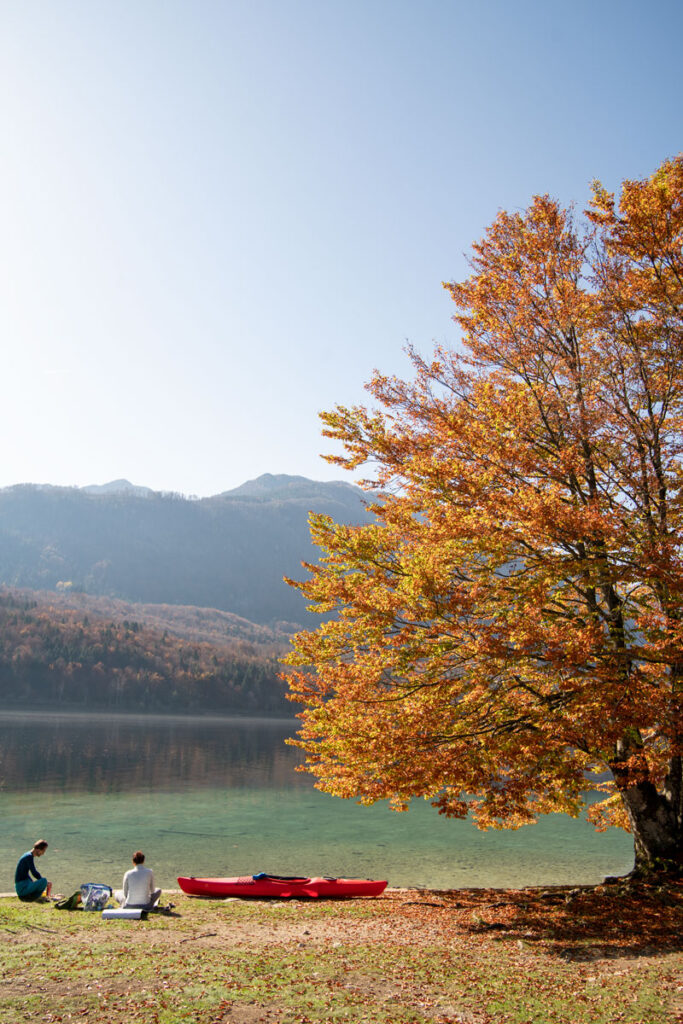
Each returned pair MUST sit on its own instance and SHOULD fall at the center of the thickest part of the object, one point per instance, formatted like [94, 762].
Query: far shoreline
[131, 713]
[552, 889]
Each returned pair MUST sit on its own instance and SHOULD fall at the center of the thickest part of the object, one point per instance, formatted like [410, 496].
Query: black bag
[72, 902]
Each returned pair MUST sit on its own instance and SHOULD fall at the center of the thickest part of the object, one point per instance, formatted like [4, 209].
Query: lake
[211, 796]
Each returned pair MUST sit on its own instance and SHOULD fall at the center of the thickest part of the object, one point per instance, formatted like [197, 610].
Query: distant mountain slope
[280, 487]
[52, 655]
[227, 552]
[223, 630]
[116, 487]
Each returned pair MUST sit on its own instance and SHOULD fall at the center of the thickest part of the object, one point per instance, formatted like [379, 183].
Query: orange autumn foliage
[512, 619]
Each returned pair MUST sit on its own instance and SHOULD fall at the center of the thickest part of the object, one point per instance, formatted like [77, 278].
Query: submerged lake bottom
[222, 797]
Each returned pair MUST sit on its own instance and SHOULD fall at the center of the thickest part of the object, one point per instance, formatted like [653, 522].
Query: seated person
[30, 889]
[138, 885]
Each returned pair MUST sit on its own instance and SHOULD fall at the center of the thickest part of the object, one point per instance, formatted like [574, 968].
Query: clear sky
[218, 216]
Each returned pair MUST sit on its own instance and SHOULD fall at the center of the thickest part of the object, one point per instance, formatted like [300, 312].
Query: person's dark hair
[40, 844]
[138, 857]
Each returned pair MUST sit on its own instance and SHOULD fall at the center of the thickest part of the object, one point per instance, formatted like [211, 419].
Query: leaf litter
[560, 955]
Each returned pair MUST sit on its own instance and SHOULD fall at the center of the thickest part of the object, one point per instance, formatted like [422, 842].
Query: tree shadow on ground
[578, 923]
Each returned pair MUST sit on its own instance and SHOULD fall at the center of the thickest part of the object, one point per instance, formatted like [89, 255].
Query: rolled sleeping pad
[126, 913]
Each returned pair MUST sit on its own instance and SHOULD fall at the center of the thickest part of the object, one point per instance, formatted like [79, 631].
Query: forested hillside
[222, 630]
[227, 552]
[55, 655]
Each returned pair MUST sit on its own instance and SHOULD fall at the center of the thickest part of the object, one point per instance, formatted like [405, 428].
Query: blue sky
[217, 218]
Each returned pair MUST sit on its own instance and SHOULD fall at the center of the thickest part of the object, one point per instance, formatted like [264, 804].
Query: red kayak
[275, 885]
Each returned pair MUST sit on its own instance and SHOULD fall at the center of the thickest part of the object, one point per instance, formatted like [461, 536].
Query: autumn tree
[512, 619]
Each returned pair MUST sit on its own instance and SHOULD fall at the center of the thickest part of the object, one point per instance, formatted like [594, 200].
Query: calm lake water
[222, 797]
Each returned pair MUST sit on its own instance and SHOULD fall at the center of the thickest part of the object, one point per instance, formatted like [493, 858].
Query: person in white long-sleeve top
[138, 885]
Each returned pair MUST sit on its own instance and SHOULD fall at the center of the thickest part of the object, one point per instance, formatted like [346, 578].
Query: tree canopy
[512, 618]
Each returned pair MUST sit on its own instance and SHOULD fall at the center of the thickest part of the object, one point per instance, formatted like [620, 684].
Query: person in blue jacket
[29, 889]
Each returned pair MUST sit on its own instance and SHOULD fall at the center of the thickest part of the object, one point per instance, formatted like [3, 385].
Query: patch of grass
[403, 959]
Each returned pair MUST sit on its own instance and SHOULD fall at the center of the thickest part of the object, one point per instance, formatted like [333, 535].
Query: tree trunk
[656, 818]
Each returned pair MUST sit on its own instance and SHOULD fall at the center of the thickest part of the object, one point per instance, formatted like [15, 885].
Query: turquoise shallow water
[223, 798]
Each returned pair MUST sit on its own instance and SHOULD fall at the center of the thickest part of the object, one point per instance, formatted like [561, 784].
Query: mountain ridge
[267, 484]
[115, 487]
[229, 551]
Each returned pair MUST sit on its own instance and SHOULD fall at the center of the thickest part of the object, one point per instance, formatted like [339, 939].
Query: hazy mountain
[116, 487]
[228, 552]
[270, 487]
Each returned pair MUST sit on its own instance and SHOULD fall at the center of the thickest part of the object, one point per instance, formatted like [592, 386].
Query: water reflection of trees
[119, 755]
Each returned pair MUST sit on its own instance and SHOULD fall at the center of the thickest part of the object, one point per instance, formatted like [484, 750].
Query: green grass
[247, 962]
